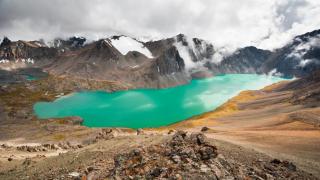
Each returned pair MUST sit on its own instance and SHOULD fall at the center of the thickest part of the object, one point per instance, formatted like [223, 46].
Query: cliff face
[26, 50]
[245, 60]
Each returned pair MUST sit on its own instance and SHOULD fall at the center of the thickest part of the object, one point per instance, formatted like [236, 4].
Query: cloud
[299, 52]
[288, 13]
[291, 18]
[267, 24]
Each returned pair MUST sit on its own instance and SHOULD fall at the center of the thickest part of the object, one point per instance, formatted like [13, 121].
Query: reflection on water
[151, 107]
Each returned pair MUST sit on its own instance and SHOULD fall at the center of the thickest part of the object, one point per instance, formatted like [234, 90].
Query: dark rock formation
[187, 156]
[169, 62]
[245, 60]
[184, 155]
[158, 47]
[204, 129]
[298, 58]
[33, 50]
[72, 43]
[5, 42]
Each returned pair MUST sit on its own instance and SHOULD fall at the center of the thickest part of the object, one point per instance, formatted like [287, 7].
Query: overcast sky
[264, 23]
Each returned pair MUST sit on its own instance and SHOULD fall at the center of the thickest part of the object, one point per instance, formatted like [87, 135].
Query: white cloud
[292, 17]
[265, 23]
[299, 51]
[304, 62]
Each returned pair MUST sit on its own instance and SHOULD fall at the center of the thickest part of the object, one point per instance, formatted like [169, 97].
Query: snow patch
[10, 66]
[185, 53]
[126, 44]
[27, 61]
[4, 61]
[274, 72]
[38, 44]
[304, 62]
[107, 41]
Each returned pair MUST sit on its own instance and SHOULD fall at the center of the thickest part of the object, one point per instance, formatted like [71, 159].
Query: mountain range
[156, 64]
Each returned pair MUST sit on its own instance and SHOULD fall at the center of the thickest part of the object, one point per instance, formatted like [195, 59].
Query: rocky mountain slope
[162, 63]
[121, 155]
[282, 119]
[244, 60]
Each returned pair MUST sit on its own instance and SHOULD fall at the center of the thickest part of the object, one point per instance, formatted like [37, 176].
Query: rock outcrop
[245, 60]
[190, 156]
[184, 155]
[26, 51]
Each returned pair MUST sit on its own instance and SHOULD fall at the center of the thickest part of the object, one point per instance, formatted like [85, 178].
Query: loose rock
[204, 129]
[177, 156]
[139, 131]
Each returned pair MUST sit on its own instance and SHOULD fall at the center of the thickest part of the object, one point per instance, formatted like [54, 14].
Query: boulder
[106, 134]
[139, 131]
[204, 129]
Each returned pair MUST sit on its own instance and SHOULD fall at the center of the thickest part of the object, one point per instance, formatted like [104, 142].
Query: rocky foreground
[193, 157]
[149, 156]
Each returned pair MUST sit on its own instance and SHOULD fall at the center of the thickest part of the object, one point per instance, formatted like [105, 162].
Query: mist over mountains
[161, 63]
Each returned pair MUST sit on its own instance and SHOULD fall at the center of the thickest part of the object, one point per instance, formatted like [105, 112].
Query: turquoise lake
[31, 78]
[143, 108]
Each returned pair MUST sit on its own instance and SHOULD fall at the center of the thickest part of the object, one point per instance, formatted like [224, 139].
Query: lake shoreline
[62, 131]
[197, 97]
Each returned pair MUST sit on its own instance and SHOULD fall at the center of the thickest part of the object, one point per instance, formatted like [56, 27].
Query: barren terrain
[275, 129]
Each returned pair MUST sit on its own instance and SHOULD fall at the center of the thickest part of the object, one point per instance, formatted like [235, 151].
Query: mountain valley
[272, 133]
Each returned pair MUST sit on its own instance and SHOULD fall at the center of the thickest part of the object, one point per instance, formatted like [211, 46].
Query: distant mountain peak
[5, 42]
[306, 36]
[125, 44]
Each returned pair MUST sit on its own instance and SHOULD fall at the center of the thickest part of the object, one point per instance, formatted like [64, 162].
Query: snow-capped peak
[125, 44]
[190, 49]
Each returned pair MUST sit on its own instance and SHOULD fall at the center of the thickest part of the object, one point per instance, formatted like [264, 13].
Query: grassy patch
[59, 137]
